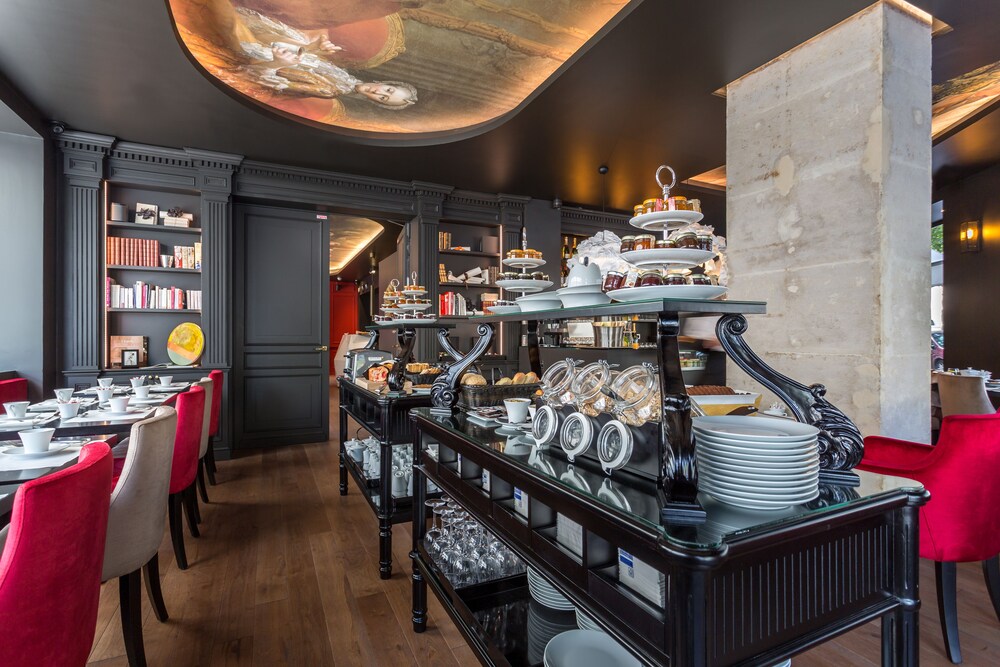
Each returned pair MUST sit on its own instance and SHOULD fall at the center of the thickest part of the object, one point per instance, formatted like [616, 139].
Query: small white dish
[19, 451]
[657, 221]
[668, 292]
[504, 310]
[524, 262]
[36, 440]
[537, 302]
[668, 257]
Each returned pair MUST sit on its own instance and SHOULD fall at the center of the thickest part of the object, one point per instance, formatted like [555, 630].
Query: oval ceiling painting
[391, 68]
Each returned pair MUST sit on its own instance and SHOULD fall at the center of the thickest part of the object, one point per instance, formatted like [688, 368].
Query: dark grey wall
[24, 271]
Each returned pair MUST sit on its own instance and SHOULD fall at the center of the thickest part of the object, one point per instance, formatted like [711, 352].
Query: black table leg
[901, 627]
[343, 436]
[419, 528]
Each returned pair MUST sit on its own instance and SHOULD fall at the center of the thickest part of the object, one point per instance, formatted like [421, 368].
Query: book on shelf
[121, 251]
[442, 274]
[444, 240]
[452, 304]
[143, 296]
[118, 343]
[187, 257]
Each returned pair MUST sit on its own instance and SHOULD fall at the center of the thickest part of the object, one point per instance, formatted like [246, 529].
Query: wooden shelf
[153, 310]
[155, 228]
[158, 269]
[470, 253]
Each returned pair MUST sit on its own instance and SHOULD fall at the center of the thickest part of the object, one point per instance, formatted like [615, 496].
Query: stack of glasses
[464, 551]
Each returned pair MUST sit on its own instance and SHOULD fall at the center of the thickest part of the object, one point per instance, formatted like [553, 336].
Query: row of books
[444, 240]
[132, 252]
[450, 303]
[143, 296]
[187, 257]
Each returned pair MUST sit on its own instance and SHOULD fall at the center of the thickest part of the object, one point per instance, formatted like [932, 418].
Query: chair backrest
[187, 441]
[136, 518]
[12, 390]
[206, 426]
[50, 569]
[963, 395]
[961, 522]
[216, 376]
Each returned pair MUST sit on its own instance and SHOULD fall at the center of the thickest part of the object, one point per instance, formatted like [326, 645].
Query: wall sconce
[972, 234]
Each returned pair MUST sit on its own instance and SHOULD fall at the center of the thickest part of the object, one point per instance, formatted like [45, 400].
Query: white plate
[740, 446]
[756, 474]
[504, 310]
[414, 306]
[523, 262]
[668, 257]
[756, 455]
[668, 292]
[728, 425]
[414, 292]
[54, 448]
[152, 400]
[587, 648]
[530, 305]
[526, 286]
[768, 489]
[581, 299]
[408, 320]
[657, 221]
[760, 500]
[757, 464]
[392, 311]
[580, 289]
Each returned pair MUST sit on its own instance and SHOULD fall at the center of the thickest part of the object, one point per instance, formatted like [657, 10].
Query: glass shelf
[633, 308]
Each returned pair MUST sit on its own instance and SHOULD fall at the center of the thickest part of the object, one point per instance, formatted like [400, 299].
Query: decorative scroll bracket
[678, 469]
[444, 393]
[372, 340]
[445, 341]
[406, 336]
[841, 446]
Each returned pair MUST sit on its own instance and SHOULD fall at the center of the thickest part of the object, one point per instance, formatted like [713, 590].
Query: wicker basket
[422, 378]
[482, 396]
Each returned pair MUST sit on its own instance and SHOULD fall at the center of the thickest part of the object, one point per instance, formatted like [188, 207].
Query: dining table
[90, 425]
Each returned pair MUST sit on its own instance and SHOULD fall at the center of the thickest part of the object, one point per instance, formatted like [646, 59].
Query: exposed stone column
[828, 155]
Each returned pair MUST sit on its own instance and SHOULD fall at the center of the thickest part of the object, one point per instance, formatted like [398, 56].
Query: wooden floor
[286, 573]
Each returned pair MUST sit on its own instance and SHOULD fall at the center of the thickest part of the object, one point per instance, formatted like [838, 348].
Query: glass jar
[516, 253]
[590, 389]
[705, 241]
[665, 243]
[546, 424]
[675, 278]
[613, 280]
[686, 240]
[677, 204]
[651, 278]
[649, 205]
[695, 204]
[699, 279]
[628, 244]
[615, 443]
[644, 242]
[637, 395]
[577, 434]
[557, 381]
[538, 275]
[638, 210]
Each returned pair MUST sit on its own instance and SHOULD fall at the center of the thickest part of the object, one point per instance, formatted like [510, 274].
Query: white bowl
[531, 304]
[36, 440]
[579, 299]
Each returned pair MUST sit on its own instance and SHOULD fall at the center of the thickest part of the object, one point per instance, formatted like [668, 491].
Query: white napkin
[9, 463]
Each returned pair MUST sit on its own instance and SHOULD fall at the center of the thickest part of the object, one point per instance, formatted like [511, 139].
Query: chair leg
[991, 571]
[177, 530]
[210, 463]
[130, 598]
[201, 480]
[945, 576]
[151, 573]
[191, 510]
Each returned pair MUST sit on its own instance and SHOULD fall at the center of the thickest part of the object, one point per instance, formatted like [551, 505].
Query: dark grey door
[282, 326]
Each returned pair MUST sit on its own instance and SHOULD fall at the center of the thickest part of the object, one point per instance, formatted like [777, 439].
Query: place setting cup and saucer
[17, 416]
[37, 443]
[518, 420]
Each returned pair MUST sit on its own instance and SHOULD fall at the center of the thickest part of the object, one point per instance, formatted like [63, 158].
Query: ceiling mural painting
[389, 68]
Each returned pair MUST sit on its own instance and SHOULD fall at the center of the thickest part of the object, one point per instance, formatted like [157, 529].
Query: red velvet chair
[12, 390]
[961, 522]
[213, 430]
[187, 442]
[50, 568]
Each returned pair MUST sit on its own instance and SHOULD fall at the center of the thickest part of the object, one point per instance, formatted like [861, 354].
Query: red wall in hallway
[343, 314]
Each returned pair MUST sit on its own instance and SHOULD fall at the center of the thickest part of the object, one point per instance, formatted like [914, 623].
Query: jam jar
[699, 279]
[638, 210]
[705, 241]
[675, 278]
[649, 205]
[556, 382]
[590, 388]
[637, 395]
[686, 240]
[677, 204]
[645, 242]
[538, 275]
[613, 280]
[665, 243]
[651, 278]
[628, 244]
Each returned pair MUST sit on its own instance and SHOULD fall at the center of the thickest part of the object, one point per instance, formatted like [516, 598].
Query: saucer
[54, 448]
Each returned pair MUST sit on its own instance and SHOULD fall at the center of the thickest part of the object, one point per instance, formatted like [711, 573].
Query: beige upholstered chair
[963, 395]
[136, 523]
[209, 387]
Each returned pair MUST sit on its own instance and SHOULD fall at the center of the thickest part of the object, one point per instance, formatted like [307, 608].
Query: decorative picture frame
[146, 214]
[130, 358]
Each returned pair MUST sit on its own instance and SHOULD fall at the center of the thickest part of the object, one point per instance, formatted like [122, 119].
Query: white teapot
[582, 273]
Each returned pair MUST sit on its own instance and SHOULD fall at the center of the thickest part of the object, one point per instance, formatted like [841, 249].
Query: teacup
[36, 440]
[166, 380]
[69, 409]
[137, 382]
[104, 394]
[64, 395]
[106, 382]
[119, 404]
[517, 409]
[17, 409]
[141, 392]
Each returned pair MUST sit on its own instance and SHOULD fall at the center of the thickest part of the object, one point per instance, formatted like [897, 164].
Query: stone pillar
[828, 155]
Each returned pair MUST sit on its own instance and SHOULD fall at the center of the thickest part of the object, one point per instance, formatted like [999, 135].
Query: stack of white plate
[543, 625]
[585, 622]
[587, 648]
[545, 594]
[759, 463]
[583, 295]
[642, 578]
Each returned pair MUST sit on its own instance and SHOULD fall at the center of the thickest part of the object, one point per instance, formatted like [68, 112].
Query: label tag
[625, 559]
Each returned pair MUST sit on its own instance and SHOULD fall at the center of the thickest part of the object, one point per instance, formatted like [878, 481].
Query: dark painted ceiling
[641, 96]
